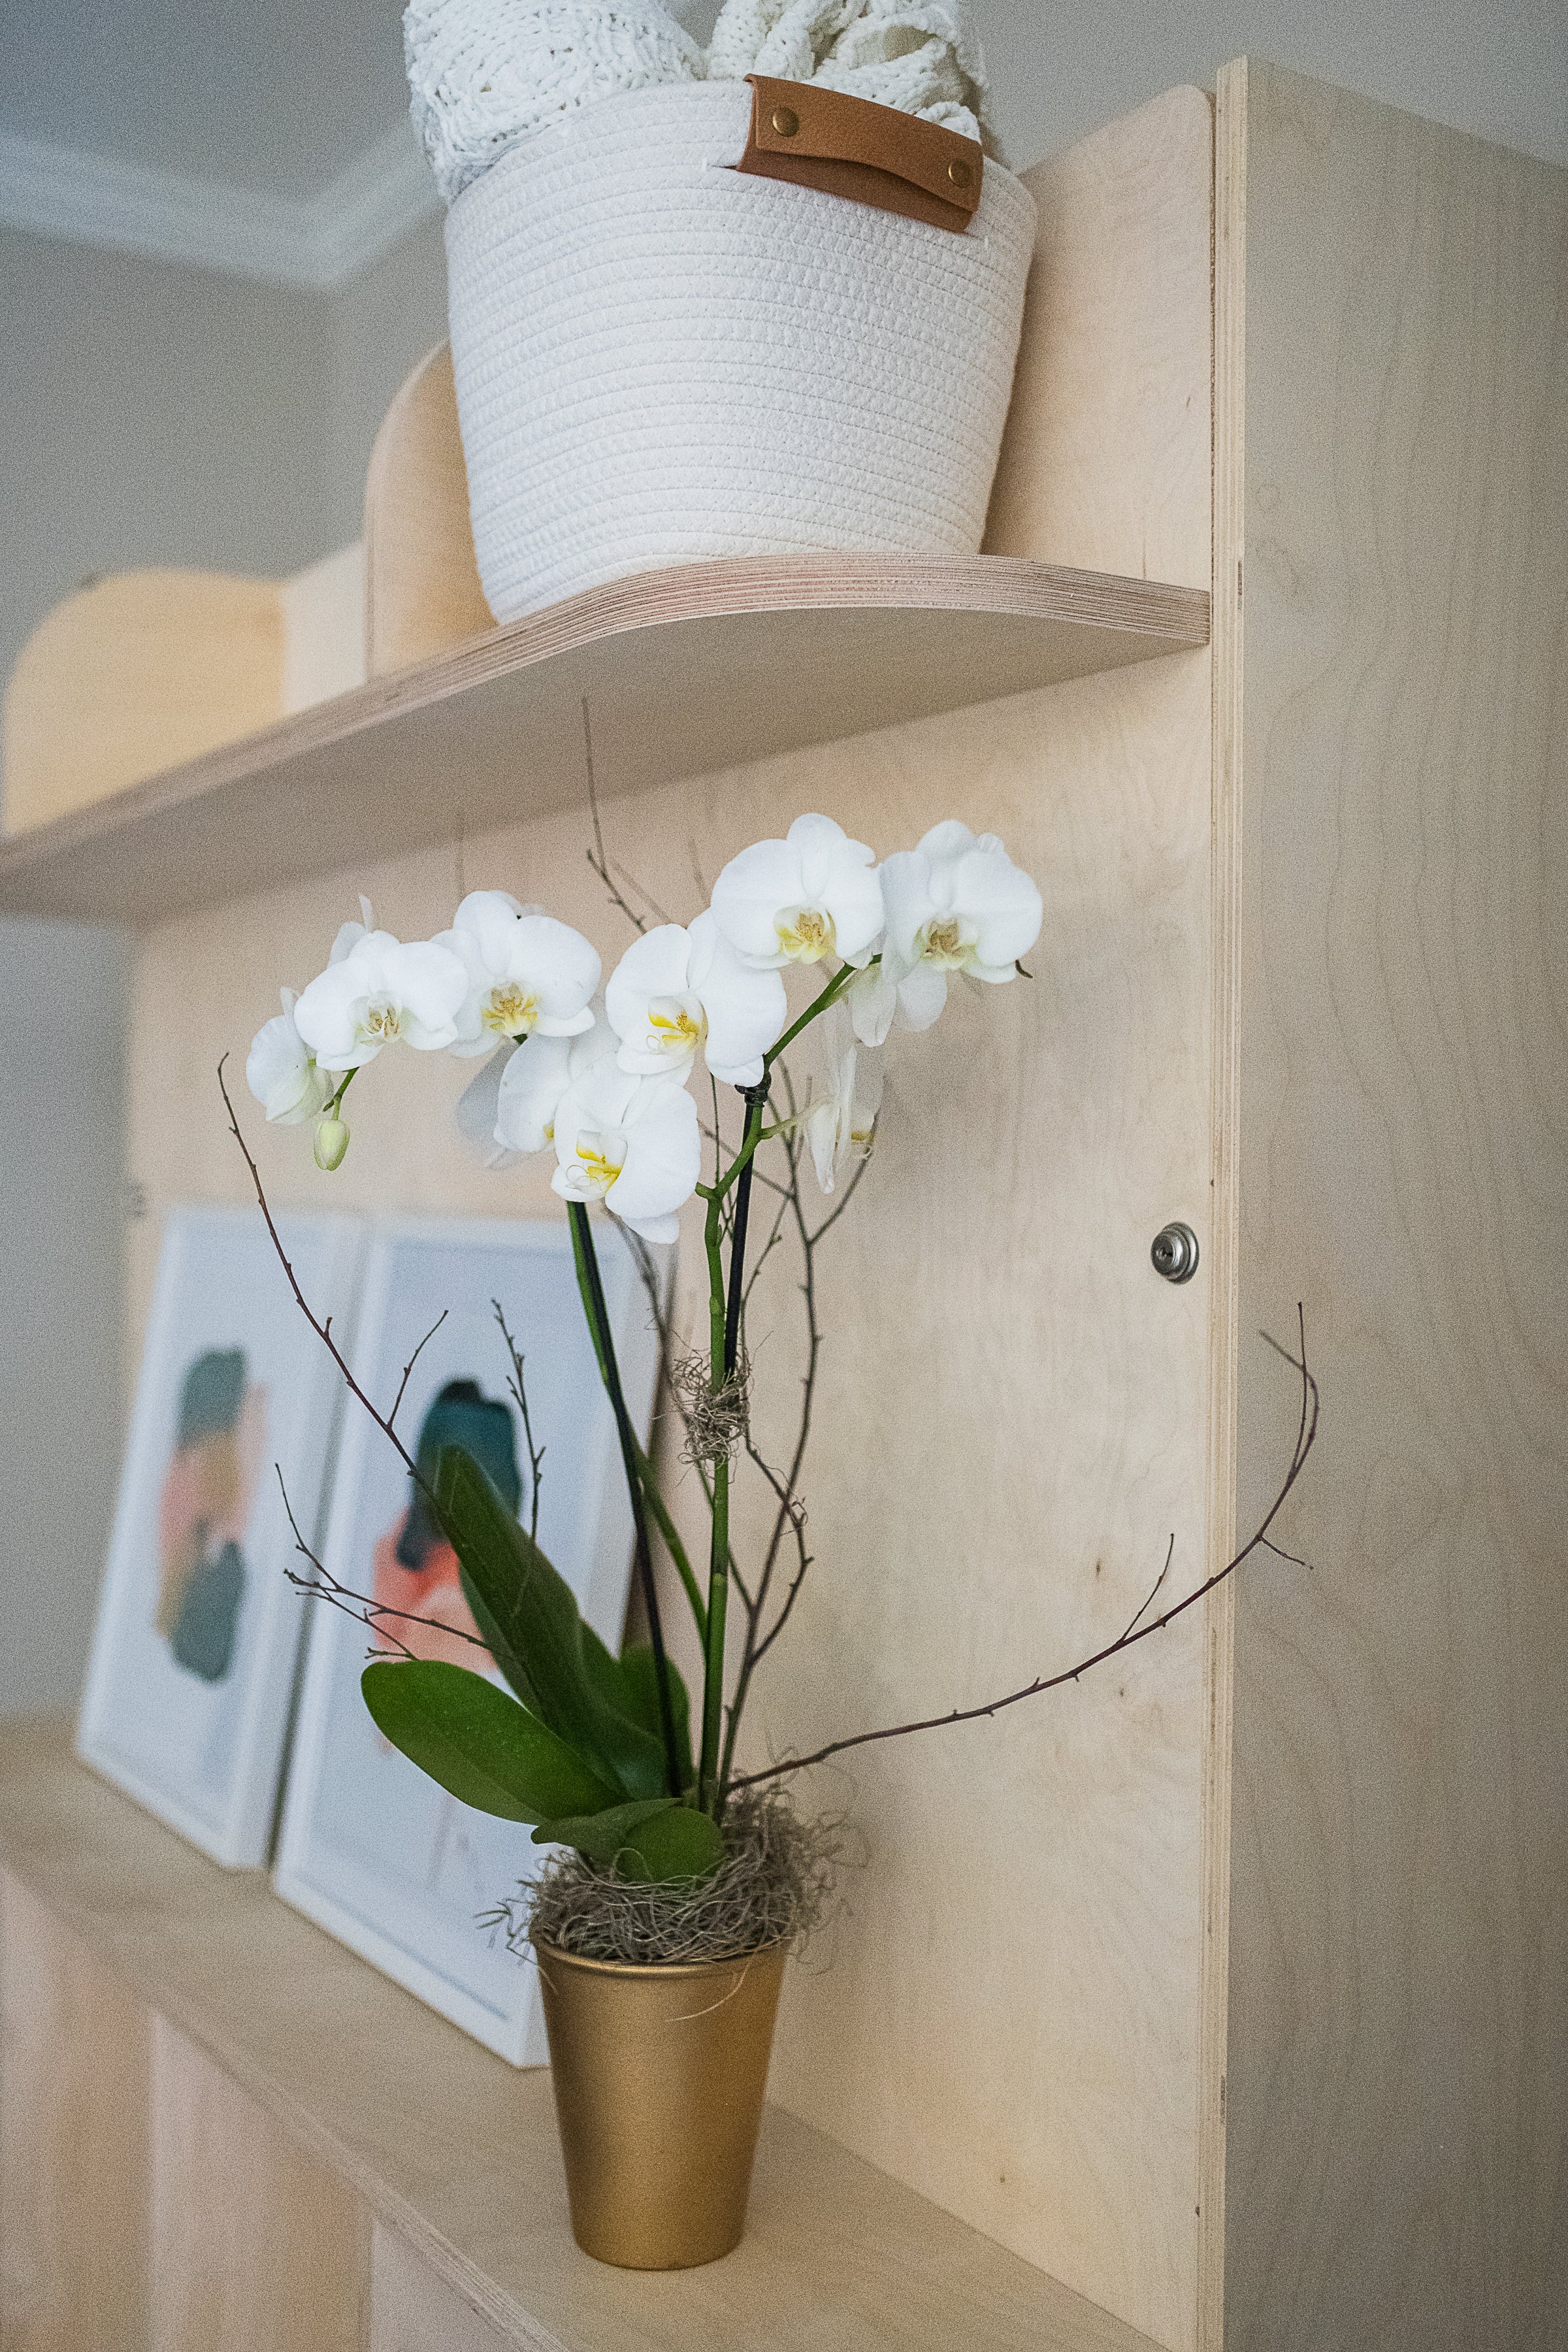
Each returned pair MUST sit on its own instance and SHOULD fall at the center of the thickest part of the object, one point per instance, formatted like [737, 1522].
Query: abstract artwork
[370, 1848]
[198, 1630]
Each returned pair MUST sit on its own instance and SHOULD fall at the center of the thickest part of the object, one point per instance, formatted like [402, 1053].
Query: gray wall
[61, 1193]
[151, 415]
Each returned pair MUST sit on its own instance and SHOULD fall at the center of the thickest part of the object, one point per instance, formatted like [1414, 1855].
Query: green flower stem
[673, 1542]
[719, 1549]
[819, 1004]
[755, 1099]
[591, 1285]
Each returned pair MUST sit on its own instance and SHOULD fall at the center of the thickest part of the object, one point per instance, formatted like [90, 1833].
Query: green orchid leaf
[534, 1631]
[601, 1835]
[678, 1844]
[638, 1683]
[658, 1840]
[477, 1742]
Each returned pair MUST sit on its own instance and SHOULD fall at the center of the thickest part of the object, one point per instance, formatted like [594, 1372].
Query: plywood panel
[423, 590]
[412, 2310]
[73, 2124]
[456, 2152]
[322, 615]
[1398, 2083]
[1015, 1416]
[134, 675]
[256, 2246]
[1029, 2056]
[1105, 462]
[693, 668]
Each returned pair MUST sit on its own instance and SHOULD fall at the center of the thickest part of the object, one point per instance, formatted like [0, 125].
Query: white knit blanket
[917, 55]
[484, 74]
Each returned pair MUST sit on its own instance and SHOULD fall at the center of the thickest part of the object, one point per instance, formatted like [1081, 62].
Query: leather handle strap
[873, 155]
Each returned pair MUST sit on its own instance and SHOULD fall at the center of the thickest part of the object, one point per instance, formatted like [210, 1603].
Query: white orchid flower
[876, 1001]
[675, 991]
[527, 974]
[376, 992]
[813, 894]
[531, 1083]
[840, 1120]
[633, 1143]
[349, 934]
[957, 903]
[281, 1070]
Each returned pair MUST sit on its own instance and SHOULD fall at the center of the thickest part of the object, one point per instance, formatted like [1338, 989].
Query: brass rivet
[959, 172]
[786, 121]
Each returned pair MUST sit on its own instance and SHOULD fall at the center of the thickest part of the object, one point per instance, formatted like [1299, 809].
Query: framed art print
[371, 1849]
[193, 1666]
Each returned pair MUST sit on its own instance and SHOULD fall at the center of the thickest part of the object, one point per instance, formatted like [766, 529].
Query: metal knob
[1175, 1253]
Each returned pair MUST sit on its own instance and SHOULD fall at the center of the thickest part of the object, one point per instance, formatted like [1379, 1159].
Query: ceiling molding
[316, 243]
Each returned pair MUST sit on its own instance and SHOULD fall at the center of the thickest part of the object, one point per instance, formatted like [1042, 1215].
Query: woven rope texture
[659, 360]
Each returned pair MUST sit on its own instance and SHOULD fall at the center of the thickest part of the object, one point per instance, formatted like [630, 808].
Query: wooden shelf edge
[456, 2151]
[1057, 622]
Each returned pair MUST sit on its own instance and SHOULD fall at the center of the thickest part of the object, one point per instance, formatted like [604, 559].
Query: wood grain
[455, 2152]
[422, 583]
[138, 673]
[1105, 460]
[74, 2107]
[1225, 1368]
[322, 614]
[1030, 2056]
[257, 2246]
[1398, 2079]
[689, 669]
[412, 2310]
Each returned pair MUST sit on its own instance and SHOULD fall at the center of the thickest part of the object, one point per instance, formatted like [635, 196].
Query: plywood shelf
[449, 2147]
[686, 670]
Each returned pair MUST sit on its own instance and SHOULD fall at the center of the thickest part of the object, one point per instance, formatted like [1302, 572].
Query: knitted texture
[483, 74]
[916, 55]
[659, 360]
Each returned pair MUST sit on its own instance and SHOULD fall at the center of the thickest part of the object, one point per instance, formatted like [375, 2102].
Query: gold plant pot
[659, 2077]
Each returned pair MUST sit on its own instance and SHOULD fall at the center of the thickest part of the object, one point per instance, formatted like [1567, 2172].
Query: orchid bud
[331, 1142]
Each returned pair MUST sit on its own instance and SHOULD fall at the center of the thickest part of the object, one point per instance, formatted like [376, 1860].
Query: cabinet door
[411, 2310]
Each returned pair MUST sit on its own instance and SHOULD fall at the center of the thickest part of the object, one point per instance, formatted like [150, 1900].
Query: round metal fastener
[1175, 1252]
[959, 172]
[786, 121]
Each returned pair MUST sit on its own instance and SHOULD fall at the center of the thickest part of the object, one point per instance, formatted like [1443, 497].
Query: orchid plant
[600, 1753]
[606, 1753]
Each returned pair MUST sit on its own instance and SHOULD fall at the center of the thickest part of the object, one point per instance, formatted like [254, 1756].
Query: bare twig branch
[360, 1606]
[1306, 1437]
[1145, 1606]
[598, 859]
[413, 1360]
[520, 1390]
[323, 1331]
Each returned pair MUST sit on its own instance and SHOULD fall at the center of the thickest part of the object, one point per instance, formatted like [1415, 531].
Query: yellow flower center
[674, 1028]
[380, 1024]
[600, 1159]
[942, 942]
[805, 933]
[509, 1010]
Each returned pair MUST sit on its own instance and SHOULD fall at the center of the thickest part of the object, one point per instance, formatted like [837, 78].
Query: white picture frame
[371, 1849]
[197, 1641]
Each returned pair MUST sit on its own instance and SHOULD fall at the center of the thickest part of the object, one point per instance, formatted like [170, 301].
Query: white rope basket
[659, 359]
